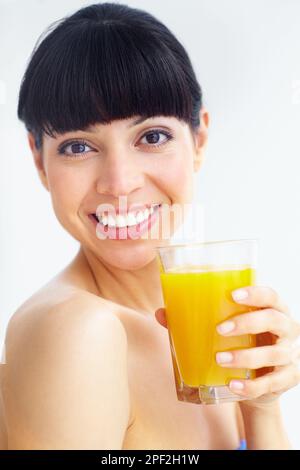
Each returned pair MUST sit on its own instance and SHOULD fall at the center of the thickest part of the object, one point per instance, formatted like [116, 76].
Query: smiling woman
[111, 104]
[114, 115]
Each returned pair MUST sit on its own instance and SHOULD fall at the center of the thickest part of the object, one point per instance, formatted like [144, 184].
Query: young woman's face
[147, 163]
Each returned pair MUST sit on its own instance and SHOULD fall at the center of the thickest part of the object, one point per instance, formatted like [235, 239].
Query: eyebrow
[137, 121]
[92, 128]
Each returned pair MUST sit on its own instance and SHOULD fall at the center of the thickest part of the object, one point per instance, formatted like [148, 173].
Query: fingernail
[226, 327]
[236, 385]
[239, 294]
[223, 357]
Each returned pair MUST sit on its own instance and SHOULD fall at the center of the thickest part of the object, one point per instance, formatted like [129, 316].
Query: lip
[126, 233]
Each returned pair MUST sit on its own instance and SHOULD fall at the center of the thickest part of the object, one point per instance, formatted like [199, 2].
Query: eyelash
[62, 148]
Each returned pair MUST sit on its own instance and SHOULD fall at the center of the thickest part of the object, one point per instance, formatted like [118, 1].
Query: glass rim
[212, 242]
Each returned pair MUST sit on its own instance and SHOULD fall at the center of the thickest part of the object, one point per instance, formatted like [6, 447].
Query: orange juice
[196, 299]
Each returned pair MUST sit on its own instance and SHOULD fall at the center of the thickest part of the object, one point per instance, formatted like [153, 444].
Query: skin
[116, 164]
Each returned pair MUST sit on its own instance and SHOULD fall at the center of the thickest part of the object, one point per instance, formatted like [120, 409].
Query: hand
[276, 348]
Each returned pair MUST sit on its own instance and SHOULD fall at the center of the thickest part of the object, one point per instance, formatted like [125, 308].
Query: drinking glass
[197, 281]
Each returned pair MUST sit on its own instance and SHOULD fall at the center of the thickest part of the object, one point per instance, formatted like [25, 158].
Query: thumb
[160, 315]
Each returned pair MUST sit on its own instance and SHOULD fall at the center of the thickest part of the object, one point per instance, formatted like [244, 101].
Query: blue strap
[243, 445]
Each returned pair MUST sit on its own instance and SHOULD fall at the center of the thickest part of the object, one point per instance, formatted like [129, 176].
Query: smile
[126, 226]
[130, 219]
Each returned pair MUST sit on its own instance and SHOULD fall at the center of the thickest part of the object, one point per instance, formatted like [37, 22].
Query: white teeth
[104, 220]
[121, 221]
[111, 221]
[131, 220]
[127, 220]
[140, 216]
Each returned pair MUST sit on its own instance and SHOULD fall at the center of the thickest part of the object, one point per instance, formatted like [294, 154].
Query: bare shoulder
[65, 316]
[57, 306]
[66, 381]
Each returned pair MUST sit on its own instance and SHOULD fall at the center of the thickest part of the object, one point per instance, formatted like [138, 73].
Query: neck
[139, 289]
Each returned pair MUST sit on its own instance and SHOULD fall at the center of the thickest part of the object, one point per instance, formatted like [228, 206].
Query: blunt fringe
[106, 61]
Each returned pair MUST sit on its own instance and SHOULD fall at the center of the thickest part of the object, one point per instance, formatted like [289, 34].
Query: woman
[113, 110]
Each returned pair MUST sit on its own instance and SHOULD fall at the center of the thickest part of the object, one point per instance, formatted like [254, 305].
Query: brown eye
[153, 137]
[77, 148]
[73, 148]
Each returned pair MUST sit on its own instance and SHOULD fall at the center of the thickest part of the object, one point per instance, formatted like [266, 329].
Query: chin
[129, 258]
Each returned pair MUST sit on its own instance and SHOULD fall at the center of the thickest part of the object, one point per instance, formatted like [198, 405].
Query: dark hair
[106, 61]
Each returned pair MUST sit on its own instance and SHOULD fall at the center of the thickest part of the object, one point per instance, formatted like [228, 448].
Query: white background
[246, 55]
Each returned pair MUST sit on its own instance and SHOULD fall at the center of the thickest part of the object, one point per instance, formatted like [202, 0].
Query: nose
[119, 175]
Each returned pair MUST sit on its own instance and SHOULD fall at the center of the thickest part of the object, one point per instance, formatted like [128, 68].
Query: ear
[38, 160]
[201, 139]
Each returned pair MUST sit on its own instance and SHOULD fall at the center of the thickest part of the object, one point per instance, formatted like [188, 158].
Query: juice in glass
[197, 298]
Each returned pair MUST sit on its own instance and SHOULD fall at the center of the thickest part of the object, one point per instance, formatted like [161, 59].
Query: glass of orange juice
[197, 280]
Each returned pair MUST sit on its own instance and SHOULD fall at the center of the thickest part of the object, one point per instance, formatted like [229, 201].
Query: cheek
[68, 186]
[177, 178]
